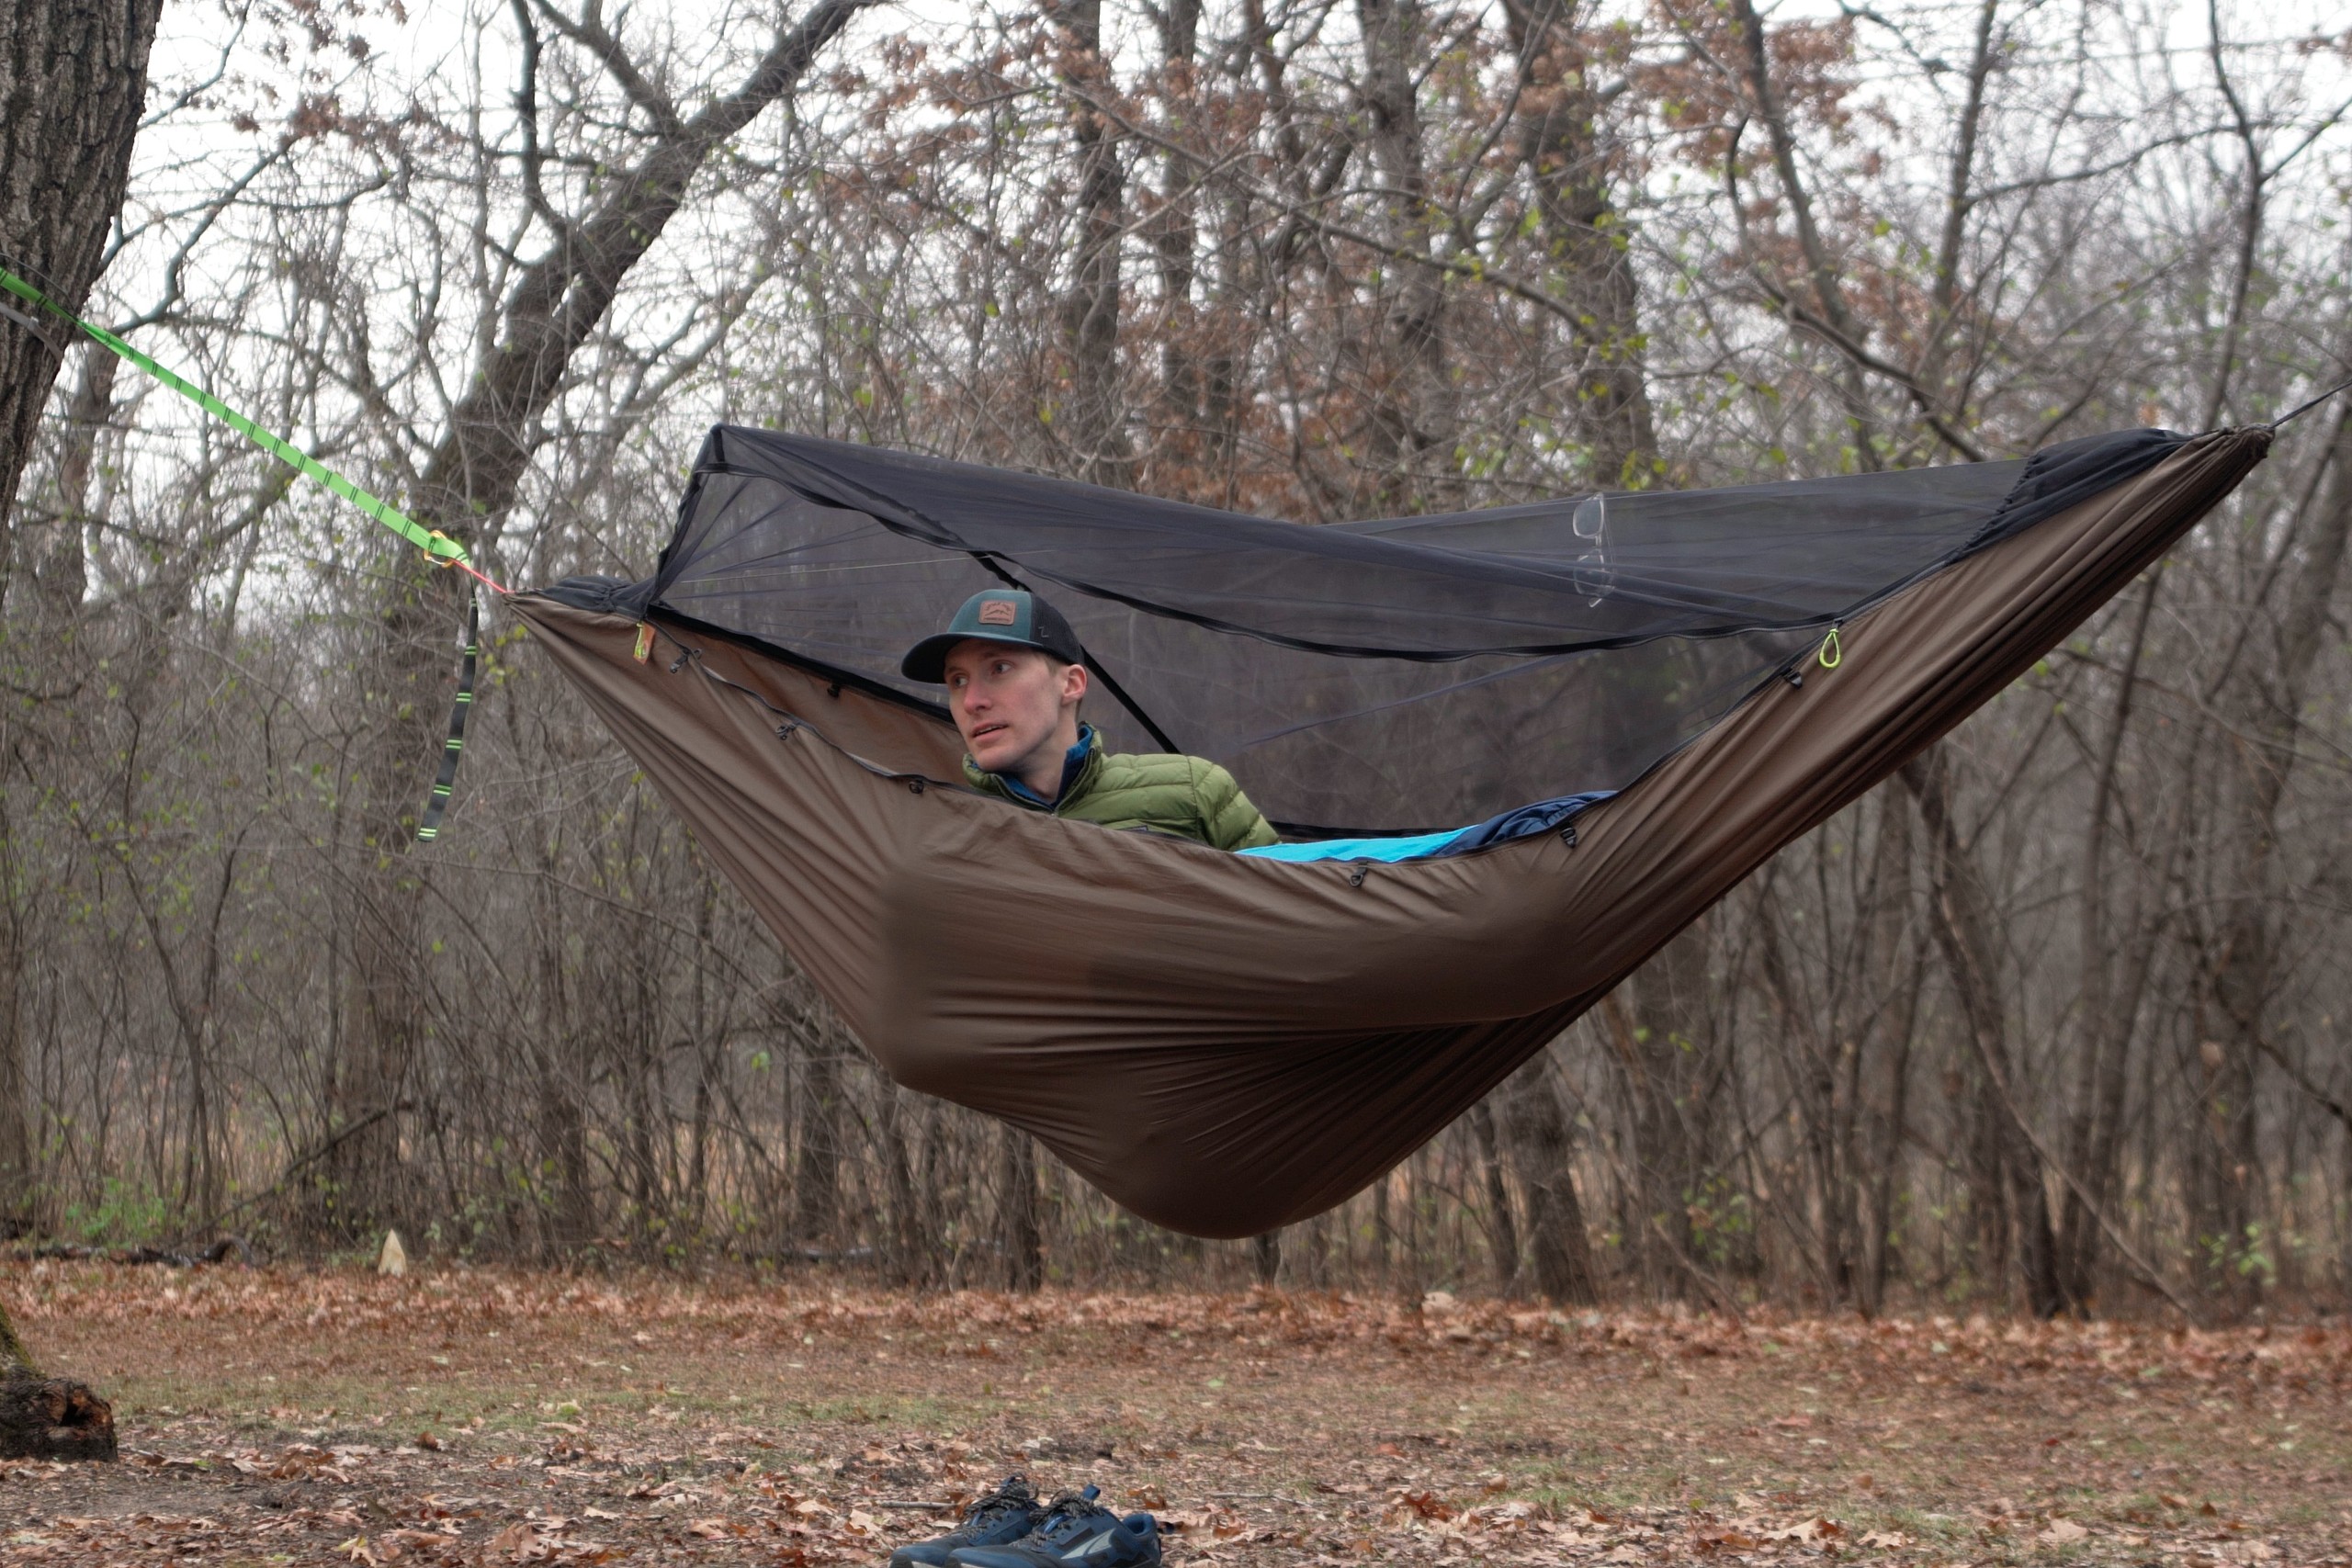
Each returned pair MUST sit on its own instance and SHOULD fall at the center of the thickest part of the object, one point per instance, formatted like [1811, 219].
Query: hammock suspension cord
[438, 548]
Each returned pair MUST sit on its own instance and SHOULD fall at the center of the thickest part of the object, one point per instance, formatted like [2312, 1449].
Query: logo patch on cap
[999, 612]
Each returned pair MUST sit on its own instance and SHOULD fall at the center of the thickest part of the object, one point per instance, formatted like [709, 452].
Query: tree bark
[73, 84]
[47, 1419]
[1017, 1228]
[1965, 923]
[2116, 970]
[816, 1181]
[1823, 1059]
[52, 1418]
[908, 1246]
[1556, 1247]
[1096, 412]
[1895, 965]
[1502, 1225]
[1416, 424]
[1673, 1065]
[16, 1163]
[1175, 235]
[2245, 971]
[1560, 143]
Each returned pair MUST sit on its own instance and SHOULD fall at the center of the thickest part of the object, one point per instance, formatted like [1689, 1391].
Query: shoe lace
[1012, 1495]
[1068, 1506]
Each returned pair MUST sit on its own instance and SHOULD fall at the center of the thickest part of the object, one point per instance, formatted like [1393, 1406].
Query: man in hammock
[1015, 675]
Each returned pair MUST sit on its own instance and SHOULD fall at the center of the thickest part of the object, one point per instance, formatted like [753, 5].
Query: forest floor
[491, 1417]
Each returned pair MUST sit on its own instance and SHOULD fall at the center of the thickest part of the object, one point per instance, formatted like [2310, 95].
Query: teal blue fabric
[1555, 815]
[1418, 847]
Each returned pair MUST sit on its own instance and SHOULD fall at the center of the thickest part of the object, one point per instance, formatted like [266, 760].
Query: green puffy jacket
[1161, 794]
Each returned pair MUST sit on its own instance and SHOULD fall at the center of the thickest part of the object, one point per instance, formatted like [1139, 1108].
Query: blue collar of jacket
[1074, 762]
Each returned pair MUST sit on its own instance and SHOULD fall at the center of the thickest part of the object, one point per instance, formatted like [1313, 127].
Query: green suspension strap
[439, 547]
[432, 542]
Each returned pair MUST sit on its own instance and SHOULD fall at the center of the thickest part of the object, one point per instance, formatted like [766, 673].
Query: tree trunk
[470, 481]
[1894, 965]
[1266, 1256]
[1559, 141]
[12, 1349]
[1556, 1247]
[2246, 970]
[1095, 423]
[17, 1166]
[1502, 1225]
[1965, 923]
[2116, 970]
[909, 1254]
[1175, 235]
[816, 1181]
[52, 1418]
[1673, 1067]
[1822, 1059]
[1415, 421]
[49, 1418]
[1017, 1229]
[72, 84]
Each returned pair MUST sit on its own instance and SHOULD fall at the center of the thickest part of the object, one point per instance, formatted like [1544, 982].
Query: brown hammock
[1225, 1044]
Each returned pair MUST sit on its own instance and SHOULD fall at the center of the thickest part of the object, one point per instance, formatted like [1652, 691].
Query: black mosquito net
[1407, 675]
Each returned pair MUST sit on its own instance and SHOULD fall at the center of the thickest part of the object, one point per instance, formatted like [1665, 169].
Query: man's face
[1009, 702]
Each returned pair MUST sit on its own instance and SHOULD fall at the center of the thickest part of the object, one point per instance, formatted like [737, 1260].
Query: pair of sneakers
[1010, 1528]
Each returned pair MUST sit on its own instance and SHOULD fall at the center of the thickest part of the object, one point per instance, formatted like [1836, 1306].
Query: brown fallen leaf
[2064, 1531]
[1418, 1504]
[517, 1542]
[1729, 1539]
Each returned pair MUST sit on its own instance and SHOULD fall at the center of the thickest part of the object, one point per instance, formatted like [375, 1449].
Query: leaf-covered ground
[491, 1417]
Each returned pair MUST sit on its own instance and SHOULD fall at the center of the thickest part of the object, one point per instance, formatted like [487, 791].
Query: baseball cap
[1012, 616]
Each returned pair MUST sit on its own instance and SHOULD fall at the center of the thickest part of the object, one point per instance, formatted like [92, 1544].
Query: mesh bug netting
[1227, 1043]
[1407, 675]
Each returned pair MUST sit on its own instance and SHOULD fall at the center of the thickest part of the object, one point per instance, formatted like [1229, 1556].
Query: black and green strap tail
[428, 827]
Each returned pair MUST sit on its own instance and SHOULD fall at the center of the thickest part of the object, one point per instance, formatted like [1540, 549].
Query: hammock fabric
[1226, 1044]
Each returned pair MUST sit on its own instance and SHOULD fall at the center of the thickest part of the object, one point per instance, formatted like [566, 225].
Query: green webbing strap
[436, 544]
[429, 827]
[437, 547]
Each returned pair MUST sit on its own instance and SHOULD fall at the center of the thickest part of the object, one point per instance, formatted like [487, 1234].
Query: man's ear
[1074, 683]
